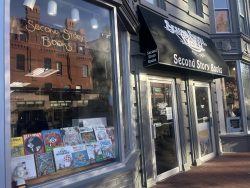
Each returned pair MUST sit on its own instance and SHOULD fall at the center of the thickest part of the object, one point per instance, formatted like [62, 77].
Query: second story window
[47, 63]
[20, 62]
[222, 16]
[85, 71]
[242, 15]
[195, 6]
[59, 68]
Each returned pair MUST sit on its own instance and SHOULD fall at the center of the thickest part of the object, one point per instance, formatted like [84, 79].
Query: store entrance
[204, 125]
[164, 128]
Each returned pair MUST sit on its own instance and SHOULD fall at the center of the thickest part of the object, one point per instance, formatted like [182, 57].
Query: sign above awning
[167, 43]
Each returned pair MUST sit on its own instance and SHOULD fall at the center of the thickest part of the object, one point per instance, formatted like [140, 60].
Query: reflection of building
[37, 48]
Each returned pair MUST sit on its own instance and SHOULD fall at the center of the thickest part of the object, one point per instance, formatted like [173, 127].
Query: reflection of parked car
[31, 122]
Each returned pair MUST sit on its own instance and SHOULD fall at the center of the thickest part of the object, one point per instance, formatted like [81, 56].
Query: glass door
[204, 121]
[164, 129]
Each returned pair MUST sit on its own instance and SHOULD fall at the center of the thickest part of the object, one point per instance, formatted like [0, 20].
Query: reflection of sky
[86, 10]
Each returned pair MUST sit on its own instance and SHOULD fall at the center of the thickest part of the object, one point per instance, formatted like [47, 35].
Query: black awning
[168, 43]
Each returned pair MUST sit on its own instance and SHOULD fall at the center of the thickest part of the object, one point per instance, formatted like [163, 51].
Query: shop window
[232, 101]
[195, 6]
[85, 71]
[59, 131]
[59, 68]
[245, 76]
[20, 62]
[222, 16]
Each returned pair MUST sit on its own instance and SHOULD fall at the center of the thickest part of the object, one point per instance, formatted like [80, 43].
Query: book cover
[87, 134]
[17, 147]
[80, 156]
[23, 166]
[44, 163]
[52, 138]
[71, 136]
[107, 149]
[111, 133]
[94, 152]
[100, 133]
[63, 157]
[33, 143]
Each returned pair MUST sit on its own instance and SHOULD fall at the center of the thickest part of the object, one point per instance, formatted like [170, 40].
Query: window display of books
[52, 150]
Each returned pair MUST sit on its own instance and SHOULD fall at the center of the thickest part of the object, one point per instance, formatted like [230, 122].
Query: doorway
[165, 137]
[204, 123]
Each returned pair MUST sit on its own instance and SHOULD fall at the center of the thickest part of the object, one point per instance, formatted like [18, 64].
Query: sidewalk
[232, 170]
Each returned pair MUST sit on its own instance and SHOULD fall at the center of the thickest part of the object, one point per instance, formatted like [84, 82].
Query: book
[44, 163]
[80, 156]
[33, 143]
[107, 149]
[94, 152]
[100, 133]
[71, 136]
[52, 138]
[17, 147]
[23, 166]
[63, 157]
[111, 133]
[87, 134]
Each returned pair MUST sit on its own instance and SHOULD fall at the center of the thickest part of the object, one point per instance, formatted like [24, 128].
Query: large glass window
[61, 124]
[245, 76]
[222, 16]
[242, 15]
[231, 101]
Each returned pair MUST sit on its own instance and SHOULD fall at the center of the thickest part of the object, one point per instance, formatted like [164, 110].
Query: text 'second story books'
[101, 133]
[107, 149]
[33, 143]
[17, 147]
[87, 134]
[24, 165]
[80, 156]
[63, 157]
[44, 163]
[71, 136]
[52, 138]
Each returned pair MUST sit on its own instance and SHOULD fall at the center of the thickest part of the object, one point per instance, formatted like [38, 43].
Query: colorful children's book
[63, 157]
[44, 163]
[17, 148]
[100, 133]
[91, 153]
[87, 134]
[111, 133]
[80, 156]
[52, 138]
[97, 151]
[71, 136]
[33, 143]
[107, 149]
[23, 166]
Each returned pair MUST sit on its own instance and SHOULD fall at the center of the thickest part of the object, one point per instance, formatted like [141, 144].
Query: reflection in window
[245, 76]
[231, 101]
[242, 15]
[195, 6]
[20, 62]
[67, 120]
[222, 16]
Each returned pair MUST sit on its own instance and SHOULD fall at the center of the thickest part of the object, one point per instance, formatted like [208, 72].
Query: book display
[63, 157]
[44, 163]
[52, 138]
[80, 156]
[71, 136]
[107, 148]
[87, 134]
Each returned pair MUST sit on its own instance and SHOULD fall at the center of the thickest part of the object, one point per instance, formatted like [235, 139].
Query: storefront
[66, 116]
[179, 103]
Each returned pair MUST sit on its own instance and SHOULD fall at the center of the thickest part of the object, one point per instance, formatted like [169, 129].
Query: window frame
[84, 175]
[23, 62]
[229, 16]
[198, 8]
[242, 15]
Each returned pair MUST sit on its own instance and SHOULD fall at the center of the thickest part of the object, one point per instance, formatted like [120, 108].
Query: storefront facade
[178, 89]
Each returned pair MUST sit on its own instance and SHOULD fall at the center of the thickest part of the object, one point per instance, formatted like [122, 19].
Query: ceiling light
[75, 15]
[29, 3]
[52, 8]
